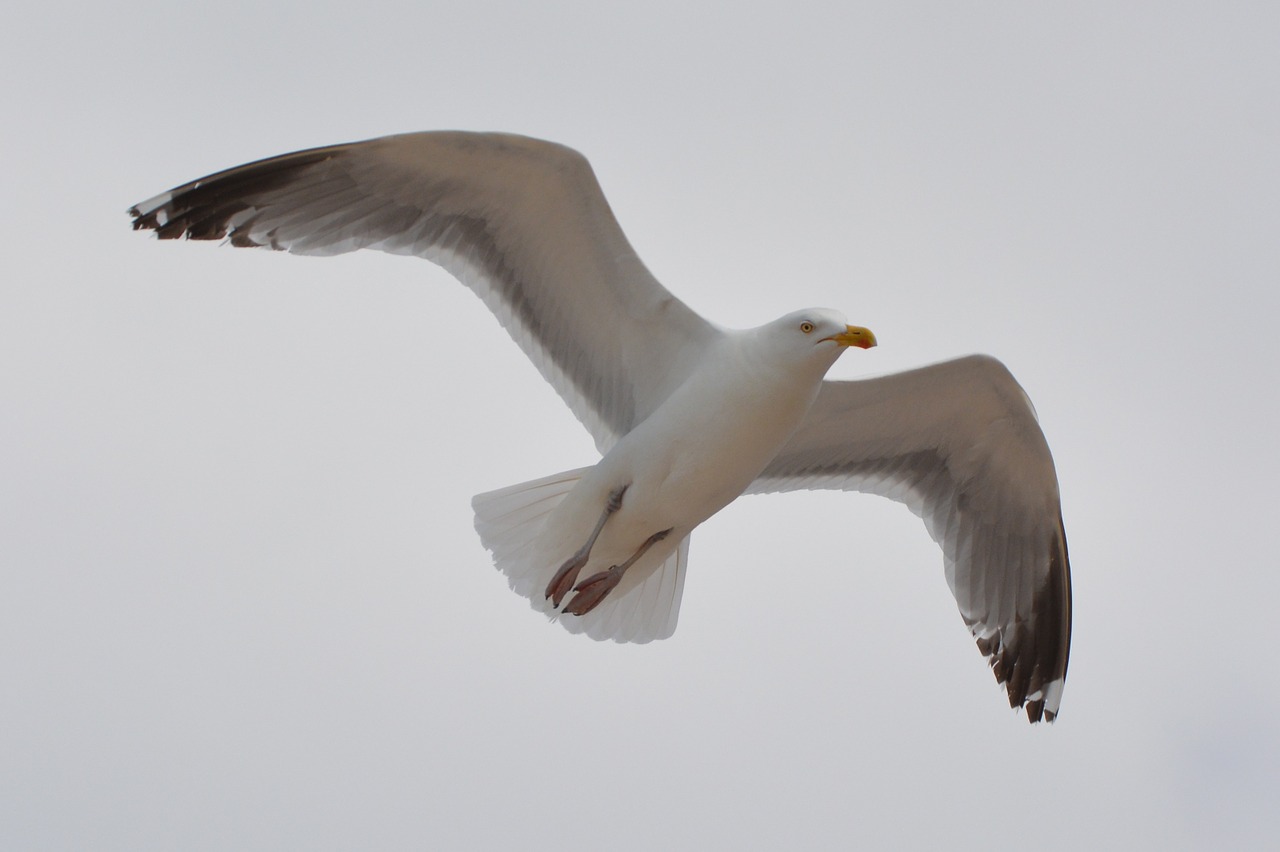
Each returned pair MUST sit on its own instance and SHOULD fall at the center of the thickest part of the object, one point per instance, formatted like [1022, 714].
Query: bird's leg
[564, 579]
[591, 591]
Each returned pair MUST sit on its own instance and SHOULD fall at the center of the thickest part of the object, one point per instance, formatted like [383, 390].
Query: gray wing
[959, 444]
[521, 222]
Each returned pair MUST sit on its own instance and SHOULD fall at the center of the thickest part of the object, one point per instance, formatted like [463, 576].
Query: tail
[509, 521]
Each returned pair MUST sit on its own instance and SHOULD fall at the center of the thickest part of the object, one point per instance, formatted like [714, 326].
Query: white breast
[692, 457]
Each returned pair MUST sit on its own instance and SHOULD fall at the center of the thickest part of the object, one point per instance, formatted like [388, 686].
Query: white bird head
[817, 335]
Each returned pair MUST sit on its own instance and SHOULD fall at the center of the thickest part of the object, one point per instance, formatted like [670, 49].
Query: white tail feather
[509, 521]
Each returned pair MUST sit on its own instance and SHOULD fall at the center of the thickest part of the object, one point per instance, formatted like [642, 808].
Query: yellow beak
[854, 335]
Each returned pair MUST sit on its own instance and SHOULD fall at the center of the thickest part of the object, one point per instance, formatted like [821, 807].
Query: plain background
[241, 602]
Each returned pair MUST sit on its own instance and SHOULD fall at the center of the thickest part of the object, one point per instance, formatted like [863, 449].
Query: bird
[687, 415]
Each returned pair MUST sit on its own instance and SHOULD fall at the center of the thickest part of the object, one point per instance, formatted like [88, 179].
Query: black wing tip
[203, 209]
[1023, 679]
[175, 229]
[1031, 664]
[143, 221]
[184, 227]
[1037, 712]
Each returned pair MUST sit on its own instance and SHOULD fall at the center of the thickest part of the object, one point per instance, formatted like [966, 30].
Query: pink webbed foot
[591, 591]
[597, 587]
[564, 579]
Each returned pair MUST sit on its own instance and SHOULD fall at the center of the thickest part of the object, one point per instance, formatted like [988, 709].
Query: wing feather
[959, 444]
[520, 221]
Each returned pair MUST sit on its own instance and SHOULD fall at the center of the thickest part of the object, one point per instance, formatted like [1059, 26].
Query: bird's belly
[680, 477]
[707, 473]
[679, 467]
[678, 495]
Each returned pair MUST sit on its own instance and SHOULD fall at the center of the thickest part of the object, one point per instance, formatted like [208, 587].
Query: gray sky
[241, 601]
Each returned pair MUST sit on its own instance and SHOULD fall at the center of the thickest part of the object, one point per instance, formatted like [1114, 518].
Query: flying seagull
[687, 415]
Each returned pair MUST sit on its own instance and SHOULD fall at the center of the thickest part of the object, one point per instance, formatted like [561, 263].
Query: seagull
[687, 415]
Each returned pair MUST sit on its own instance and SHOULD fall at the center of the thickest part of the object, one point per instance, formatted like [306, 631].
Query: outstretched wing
[521, 222]
[958, 443]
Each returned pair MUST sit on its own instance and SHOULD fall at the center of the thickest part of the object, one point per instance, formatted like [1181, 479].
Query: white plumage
[686, 415]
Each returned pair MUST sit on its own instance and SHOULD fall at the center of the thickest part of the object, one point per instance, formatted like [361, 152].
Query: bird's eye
[806, 326]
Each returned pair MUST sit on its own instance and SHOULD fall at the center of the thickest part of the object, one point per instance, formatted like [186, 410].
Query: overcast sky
[241, 602]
